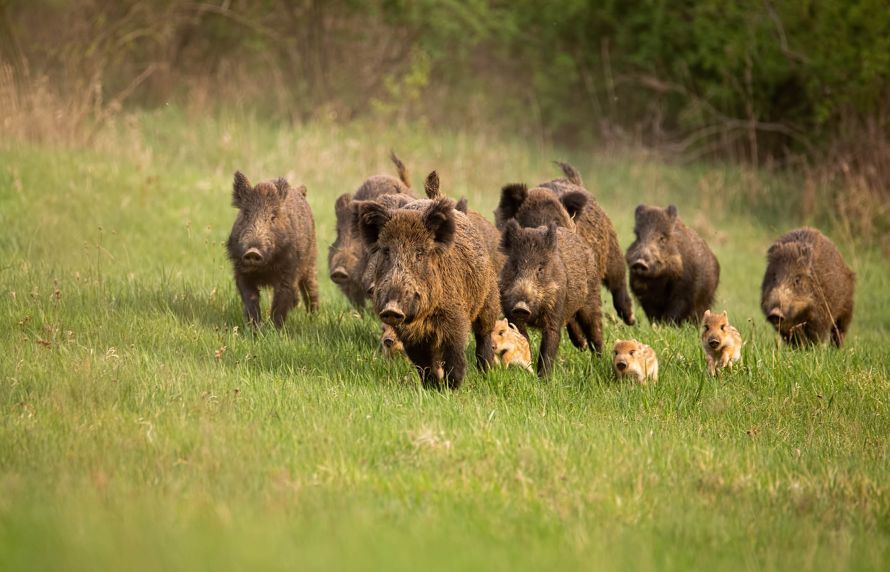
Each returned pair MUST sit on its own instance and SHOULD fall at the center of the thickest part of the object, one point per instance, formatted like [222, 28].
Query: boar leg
[456, 362]
[616, 281]
[283, 300]
[483, 325]
[576, 335]
[547, 353]
[678, 311]
[590, 319]
[250, 297]
[309, 292]
[839, 330]
[422, 358]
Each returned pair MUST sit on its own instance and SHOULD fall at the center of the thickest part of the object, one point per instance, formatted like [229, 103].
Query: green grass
[142, 428]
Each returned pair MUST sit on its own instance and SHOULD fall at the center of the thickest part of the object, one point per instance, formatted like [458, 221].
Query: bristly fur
[431, 186]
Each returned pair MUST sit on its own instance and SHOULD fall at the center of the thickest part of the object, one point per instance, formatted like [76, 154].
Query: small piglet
[550, 277]
[722, 342]
[272, 244]
[510, 346]
[631, 358]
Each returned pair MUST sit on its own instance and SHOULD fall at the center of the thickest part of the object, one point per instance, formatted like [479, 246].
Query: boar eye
[723, 327]
[797, 280]
[418, 254]
[662, 239]
[385, 251]
[632, 352]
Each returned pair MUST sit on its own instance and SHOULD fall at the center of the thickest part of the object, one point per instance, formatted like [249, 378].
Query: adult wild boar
[346, 256]
[550, 277]
[272, 244]
[566, 202]
[433, 282]
[673, 273]
[807, 290]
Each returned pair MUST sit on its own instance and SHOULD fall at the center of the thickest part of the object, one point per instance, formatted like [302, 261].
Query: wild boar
[550, 277]
[631, 358]
[433, 283]
[721, 341]
[807, 290]
[272, 244]
[566, 202]
[346, 256]
[673, 273]
[510, 346]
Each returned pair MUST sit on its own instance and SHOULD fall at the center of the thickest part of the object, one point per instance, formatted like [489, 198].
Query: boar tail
[400, 167]
[570, 173]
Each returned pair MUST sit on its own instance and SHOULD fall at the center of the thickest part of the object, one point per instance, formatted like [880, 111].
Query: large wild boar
[673, 273]
[346, 256]
[272, 244]
[550, 277]
[807, 291]
[566, 202]
[433, 283]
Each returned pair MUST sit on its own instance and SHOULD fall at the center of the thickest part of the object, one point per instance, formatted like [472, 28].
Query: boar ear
[512, 197]
[573, 202]
[431, 186]
[550, 236]
[638, 212]
[302, 190]
[672, 212]
[342, 202]
[461, 205]
[240, 190]
[372, 218]
[509, 236]
[439, 219]
[282, 187]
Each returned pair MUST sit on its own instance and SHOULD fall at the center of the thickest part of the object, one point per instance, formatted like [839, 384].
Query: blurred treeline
[763, 81]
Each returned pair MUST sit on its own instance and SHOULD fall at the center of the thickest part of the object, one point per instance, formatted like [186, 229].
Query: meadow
[144, 428]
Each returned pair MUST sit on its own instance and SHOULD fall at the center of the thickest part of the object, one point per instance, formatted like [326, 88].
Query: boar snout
[640, 266]
[388, 341]
[521, 312]
[339, 275]
[714, 343]
[621, 365]
[392, 314]
[253, 256]
[775, 316]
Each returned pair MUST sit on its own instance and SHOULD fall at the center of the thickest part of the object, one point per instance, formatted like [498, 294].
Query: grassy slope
[126, 442]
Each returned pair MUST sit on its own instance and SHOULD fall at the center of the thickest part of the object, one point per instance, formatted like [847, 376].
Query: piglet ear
[725, 316]
[573, 202]
[672, 212]
[439, 219]
[512, 197]
[431, 186]
[372, 218]
[509, 236]
[240, 190]
[550, 237]
[707, 314]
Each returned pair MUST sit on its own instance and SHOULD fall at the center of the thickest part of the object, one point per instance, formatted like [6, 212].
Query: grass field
[142, 428]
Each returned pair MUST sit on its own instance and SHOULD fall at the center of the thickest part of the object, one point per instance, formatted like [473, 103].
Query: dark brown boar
[346, 256]
[673, 273]
[272, 244]
[807, 290]
[566, 202]
[550, 277]
[433, 283]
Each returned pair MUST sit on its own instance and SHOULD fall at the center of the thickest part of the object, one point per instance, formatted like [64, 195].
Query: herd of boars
[434, 270]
